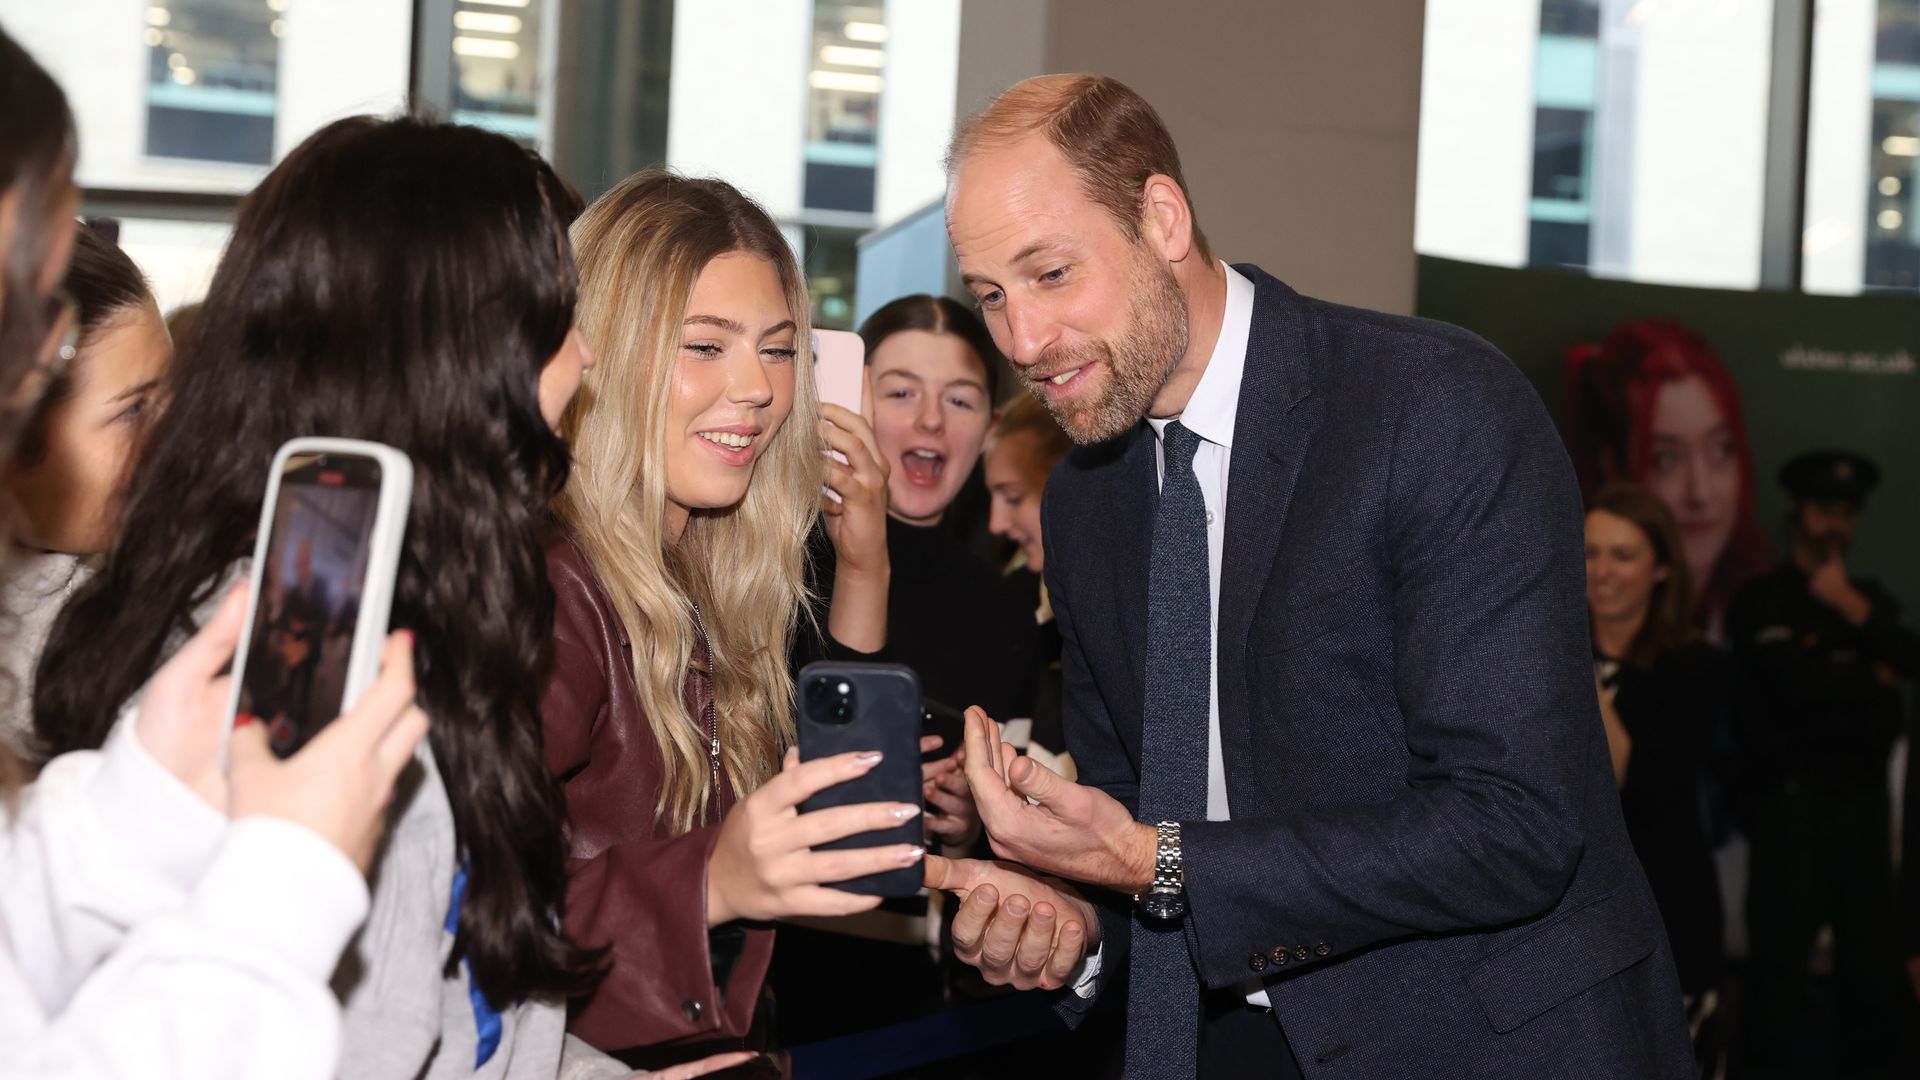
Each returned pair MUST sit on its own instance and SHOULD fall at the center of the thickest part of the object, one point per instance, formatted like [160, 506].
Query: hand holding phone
[324, 564]
[770, 862]
[866, 708]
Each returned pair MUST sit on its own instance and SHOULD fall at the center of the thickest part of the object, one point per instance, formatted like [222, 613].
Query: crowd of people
[556, 837]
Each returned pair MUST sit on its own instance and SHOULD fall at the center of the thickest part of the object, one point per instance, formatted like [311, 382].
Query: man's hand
[1020, 930]
[1831, 586]
[1035, 816]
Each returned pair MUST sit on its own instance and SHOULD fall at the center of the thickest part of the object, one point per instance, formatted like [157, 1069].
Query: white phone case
[383, 562]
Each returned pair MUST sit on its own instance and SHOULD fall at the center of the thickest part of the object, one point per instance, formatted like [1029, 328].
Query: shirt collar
[1210, 412]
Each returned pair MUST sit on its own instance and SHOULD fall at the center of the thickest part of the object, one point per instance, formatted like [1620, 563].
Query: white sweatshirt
[141, 935]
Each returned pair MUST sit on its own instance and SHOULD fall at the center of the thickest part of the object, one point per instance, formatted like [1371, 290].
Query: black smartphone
[945, 721]
[852, 707]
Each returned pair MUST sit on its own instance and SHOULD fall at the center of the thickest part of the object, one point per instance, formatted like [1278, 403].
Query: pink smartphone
[839, 367]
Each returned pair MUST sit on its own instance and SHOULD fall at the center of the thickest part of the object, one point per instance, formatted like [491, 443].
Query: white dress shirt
[1210, 414]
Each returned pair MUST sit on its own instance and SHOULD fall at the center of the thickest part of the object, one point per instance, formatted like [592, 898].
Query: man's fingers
[983, 773]
[955, 875]
[930, 743]
[1003, 933]
[970, 922]
[1034, 780]
[1036, 943]
[1068, 948]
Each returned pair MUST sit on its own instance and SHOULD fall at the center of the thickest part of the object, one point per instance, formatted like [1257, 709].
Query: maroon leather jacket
[633, 887]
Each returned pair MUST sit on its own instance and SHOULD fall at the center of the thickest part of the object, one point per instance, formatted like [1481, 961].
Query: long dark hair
[1667, 627]
[403, 281]
[36, 159]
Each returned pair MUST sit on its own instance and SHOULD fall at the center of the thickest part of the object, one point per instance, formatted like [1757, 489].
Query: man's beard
[1138, 361]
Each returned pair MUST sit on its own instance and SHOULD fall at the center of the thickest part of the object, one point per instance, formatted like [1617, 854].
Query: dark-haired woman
[410, 283]
[145, 935]
[67, 469]
[1662, 690]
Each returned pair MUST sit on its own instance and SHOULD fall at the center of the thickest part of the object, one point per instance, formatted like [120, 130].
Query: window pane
[1638, 129]
[1863, 160]
[831, 264]
[499, 81]
[178, 257]
[205, 95]
[843, 104]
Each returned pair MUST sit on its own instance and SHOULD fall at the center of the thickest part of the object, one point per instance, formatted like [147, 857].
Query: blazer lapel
[1277, 417]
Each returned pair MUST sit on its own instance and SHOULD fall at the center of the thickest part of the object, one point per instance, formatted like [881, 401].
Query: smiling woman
[679, 585]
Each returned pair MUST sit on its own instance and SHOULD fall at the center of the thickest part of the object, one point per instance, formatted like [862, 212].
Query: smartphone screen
[839, 367]
[317, 552]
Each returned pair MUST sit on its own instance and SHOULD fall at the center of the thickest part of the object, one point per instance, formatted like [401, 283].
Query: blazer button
[1258, 962]
[1322, 949]
[691, 1010]
[1300, 953]
[1279, 956]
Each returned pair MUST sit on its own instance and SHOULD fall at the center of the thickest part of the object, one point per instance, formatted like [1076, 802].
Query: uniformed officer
[1820, 656]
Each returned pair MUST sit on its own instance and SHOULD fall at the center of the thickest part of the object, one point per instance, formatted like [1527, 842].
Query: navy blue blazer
[1427, 861]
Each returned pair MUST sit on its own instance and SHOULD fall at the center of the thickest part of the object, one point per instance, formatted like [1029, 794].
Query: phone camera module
[830, 700]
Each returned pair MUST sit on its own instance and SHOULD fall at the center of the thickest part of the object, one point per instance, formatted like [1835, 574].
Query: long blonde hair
[640, 248]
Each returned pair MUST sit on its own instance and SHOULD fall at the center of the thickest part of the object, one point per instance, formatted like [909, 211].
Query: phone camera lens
[830, 700]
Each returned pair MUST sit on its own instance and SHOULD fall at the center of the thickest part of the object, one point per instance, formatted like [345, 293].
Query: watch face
[1164, 905]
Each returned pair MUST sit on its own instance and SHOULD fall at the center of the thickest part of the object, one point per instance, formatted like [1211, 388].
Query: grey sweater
[404, 1020]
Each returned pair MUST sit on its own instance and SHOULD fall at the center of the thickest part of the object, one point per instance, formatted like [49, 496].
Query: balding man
[1345, 804]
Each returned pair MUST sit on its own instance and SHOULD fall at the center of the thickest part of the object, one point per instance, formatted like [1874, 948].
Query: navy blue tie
[1163, 1005]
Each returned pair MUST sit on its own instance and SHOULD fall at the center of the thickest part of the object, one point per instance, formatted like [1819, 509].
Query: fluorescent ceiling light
[496, 3]
[486, 22]
[865, 31]
[158, 16]
[1901, 145]
[845, 80]
[845, 56]
[479, 46]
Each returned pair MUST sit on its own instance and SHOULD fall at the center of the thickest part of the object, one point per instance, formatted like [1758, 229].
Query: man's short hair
[1110, 137]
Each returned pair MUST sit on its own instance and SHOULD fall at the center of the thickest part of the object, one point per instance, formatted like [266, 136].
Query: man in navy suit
[1345, 804]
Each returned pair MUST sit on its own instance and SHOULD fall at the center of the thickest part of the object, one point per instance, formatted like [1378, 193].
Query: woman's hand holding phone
[763, 866]
[183, 710]
[857, 525]
[338, 785]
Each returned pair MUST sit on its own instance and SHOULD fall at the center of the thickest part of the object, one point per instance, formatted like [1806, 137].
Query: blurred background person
[950, 615]
[1653, 404]
[1663, 692]
[1821, 659]
[68, 467]
[1025, 444]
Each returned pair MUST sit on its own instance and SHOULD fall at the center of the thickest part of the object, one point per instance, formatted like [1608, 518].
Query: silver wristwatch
[1166, 897]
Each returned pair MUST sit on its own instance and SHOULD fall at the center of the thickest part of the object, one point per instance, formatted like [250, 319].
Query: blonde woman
[680, 581]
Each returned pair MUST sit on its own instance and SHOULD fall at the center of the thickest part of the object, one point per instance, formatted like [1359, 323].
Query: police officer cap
[1830, 475]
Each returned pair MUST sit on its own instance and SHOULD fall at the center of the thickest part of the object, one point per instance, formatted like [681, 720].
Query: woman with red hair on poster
[1652, 404]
